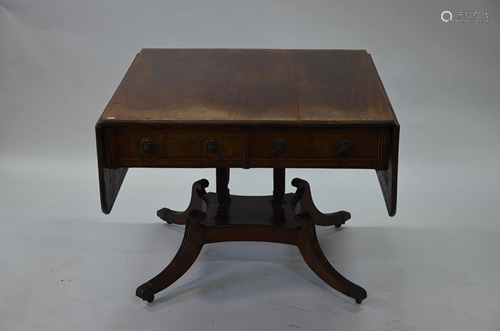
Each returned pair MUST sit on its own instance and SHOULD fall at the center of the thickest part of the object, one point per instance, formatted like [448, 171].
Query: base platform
[251, 218]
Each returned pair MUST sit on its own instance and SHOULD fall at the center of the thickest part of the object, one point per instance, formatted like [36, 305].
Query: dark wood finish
[188, 252]
[278, 194]
[237, 108]
[222, 178]
[388, 177]
[175, 217]
[245, 99]
[110, 180]
[340, 86]
[262, 87]
[313, 147]
[247, 147]
[317, 261]
[305, 203]
[251, 219]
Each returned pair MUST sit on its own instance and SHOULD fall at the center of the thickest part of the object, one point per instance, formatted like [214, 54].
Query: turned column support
[278, 194]
[222, 181]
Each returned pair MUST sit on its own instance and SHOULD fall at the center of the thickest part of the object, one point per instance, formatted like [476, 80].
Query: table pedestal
[280, 218]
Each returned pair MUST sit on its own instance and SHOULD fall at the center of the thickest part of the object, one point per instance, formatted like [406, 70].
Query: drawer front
[178, 147]
[315, 148]
[246, 147]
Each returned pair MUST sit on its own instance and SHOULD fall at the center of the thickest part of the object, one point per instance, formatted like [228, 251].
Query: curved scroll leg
[178, 217]
[306, 204]
[191, 246]
[316, 260]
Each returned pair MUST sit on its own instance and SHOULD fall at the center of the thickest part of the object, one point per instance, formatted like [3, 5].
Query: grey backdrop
[65, 266]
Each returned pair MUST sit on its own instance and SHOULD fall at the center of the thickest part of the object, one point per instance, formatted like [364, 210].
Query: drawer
[316, 148]
[246, 147]
[176, 147]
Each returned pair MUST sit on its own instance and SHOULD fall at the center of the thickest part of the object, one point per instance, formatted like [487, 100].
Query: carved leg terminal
[188, 252]
[306, 204]
[177, 217]
[316, 260]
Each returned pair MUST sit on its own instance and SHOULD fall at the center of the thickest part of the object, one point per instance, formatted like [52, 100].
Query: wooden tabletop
[250, 86]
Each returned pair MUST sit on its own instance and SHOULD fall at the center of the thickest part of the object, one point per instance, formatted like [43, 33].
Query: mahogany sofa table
[249, 108]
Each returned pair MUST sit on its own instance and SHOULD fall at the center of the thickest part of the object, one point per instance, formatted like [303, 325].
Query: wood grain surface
[245, 99]
[249, 86]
